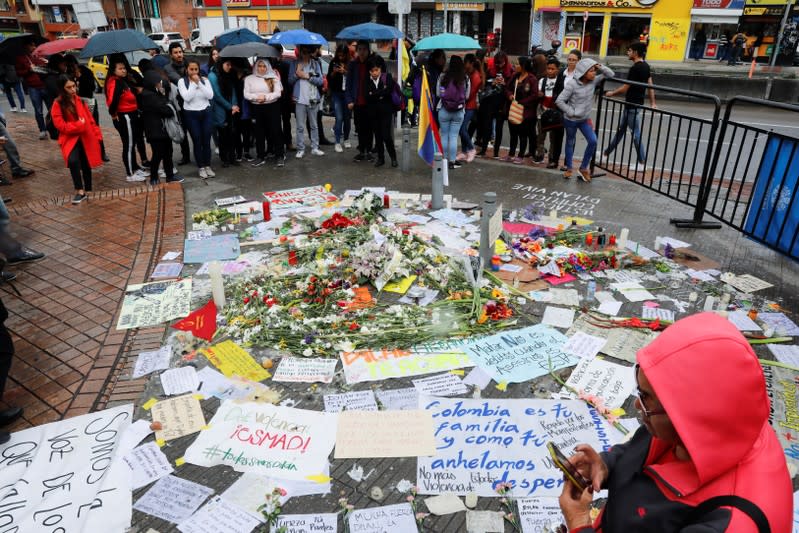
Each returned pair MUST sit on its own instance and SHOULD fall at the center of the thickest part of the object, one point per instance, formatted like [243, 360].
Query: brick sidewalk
[69, 356]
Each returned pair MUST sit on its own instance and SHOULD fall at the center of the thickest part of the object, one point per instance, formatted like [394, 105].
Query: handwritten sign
[440, 385]
[151, 361]
[398, 399]
[782, 325]
[179, 380]
[66, 474]
[167, 271]
[179, 417]
[363, 434]
[622, 343]
[149, 304]
[485, 521]
[520, 355]
[173, 499]
[303, 370]
[377, 365]
[219, 516]
[609, 381]
[539, 514]
[147, 463]
[350, 401]
[748, 283]
[248, 490]
[784, 414]
[275, 441]
[302, 196]
[308, 523]
[233, 360]
[216, 248]
[482, 442]
[397, 518]
[584, 345]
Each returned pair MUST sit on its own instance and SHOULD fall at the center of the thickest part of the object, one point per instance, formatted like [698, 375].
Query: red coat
[71, 131]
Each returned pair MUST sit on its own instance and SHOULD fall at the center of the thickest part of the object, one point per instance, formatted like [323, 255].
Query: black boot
[380, 162]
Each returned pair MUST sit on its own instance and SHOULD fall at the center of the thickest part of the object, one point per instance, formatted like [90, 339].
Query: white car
[165, 39]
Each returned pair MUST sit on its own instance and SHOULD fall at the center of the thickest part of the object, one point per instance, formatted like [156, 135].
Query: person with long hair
[197, 95]
[124, 110]
[242, 123]
[452, 89]
[380, 110]
[78, 135]
[213, 58]
[493, 104]
[154, 109]
[226, 105]
[571, 63]
[262, 89]
[336, 74]
[475, 74]
[87, 86]
[305, 75]
[523, 88]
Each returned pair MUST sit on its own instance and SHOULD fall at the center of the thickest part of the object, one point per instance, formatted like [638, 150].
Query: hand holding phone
[568, 469]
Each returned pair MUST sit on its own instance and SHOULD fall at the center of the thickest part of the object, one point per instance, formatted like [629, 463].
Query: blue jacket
[317, 78]
[221, 106]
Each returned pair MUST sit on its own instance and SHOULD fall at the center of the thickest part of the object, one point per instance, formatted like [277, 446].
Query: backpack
[397, 98]
[453, 98]
[173, 127]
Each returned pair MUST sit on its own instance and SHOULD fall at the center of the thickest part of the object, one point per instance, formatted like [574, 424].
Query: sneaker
[338, 148]
[23, 110]
[261, 162]
[460, 157]
[216, 151]
[370, 156]
[517, 160]
[161, 173]
[347, 144]
[585, 175]
[210, 172]
[177, 178]
[455, 164]
[203, 173]
[640, 167]
[239, 158]
[248, 157]
[506, 158]
[281, 162]
[380, 162]
[602, 158]
[42, 135]
[136, 177]
[145, 165]
[142, 172]
[568, 173]
[22, 172]
[25, 255]
[360, 157]
[78, 198]
[13, 109]
[538, 159]
[394, 163]
[300, 154]
[552, 165]
[470, 155]
[317, 151]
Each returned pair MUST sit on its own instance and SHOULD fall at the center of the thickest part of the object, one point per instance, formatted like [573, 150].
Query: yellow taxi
[99, 64]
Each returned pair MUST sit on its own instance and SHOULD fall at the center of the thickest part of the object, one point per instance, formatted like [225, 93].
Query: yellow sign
[461, 6]
[609, 3]
[232, 360]
[571, 43]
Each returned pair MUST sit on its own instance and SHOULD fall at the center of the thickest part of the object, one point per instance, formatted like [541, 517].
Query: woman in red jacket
[706, 434]
[79, 136]
[124, 110]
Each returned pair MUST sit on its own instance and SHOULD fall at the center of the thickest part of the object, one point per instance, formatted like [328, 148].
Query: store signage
[461, 6]
[608, 3]
[718, 4]
[766, 11]
[237, 4]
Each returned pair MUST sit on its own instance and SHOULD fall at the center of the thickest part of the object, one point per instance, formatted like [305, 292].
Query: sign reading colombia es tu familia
[608, 3]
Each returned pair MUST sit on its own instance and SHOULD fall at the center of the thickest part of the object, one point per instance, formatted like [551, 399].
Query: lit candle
[217, 286]
[623, 238]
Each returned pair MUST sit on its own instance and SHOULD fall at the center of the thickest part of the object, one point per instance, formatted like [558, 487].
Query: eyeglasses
[648, 413]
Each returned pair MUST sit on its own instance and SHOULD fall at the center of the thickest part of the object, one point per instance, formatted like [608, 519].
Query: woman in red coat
[79, 136]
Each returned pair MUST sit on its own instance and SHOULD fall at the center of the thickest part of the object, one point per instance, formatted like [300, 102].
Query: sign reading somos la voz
[480, 443]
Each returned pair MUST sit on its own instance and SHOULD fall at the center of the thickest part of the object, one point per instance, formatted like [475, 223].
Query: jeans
[37, 99]
[571, 137]
[466, 139]
[200, 125]
[302, 112]
[8, 88]
[629, 118]
[450, 122]
[11, 149]
[343, 123]
[5, 218]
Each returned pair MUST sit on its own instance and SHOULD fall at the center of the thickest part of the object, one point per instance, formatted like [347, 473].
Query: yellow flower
[483, 318]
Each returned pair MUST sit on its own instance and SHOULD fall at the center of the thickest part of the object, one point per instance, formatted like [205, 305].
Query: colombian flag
[429, 138]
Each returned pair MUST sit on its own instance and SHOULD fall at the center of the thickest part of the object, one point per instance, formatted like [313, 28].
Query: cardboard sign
[274, 441]
[365, 434]
[233, 360]
[302, 196]
[784, 415]
[67, 474]
[179, 417]
[149, 304]
[482, 442]
[376, 365]
[216, 248]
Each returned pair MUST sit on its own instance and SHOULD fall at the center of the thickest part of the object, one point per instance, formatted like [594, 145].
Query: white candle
[553, 213]
[622, 241]
[692, 297]
[217, 286]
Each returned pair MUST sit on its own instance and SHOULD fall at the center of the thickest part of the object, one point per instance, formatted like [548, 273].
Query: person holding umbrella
[262, 89]
[305, 75]
[28, 67]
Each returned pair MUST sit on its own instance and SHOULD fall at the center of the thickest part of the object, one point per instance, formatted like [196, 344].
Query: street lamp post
[225, 21]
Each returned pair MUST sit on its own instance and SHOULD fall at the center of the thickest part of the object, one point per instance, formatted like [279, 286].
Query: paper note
[154, 303]
[308, 523]
[567, 297]
[171, 256]
[213, 383]
[643, 251]
[371, 434]
[651, 313]
[508, 267]
[742, 321]
[558, 317]
[485, 522]
[674, 243]
[398, 399]
[350, 401]
[249, 489]
[179, 380]
[748, 283]
[216, 248]
[151, 361]
[440, 385]
[633, 291]
[133, 435]
[551, 268]
[584, 345]
[198, 235]
[444, 504]
[610, 308]
[173, 499]
[167, 271]
[178, 416]
[785, 354]
[219, 516]
[539, 514]
[147, 463]
[782, 325]
[400, 286]
[478, 378]
[230, 200]
[612, 382]
[305, 370]
[701, 275]
[398, 518]
[233, 360]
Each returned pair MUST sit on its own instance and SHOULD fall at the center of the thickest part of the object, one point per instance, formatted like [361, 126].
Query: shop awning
[711, 16]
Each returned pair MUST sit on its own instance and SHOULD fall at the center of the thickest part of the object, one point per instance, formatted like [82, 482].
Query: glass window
[625, 31]
[593, 31]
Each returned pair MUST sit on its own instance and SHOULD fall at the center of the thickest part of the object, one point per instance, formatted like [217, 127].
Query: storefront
[760, 23]
[713, 23]
[282, 14]
[602, 28]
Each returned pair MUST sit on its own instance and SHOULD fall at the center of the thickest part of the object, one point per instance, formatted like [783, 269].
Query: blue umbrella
[370, 31]
[117, 41]
[447, 41]
[237, 36]
[298, 37]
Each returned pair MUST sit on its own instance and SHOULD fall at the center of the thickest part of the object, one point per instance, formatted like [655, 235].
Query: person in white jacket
[197, 95]
[262, 89]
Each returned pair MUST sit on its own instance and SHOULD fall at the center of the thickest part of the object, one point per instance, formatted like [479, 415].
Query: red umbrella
[59, 45]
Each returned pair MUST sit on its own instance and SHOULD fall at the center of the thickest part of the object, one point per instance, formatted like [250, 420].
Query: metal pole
[400, 59]
[225, 21]
[446, 15]
[405, 163]
[487, 247]
[437, 198]
[776, 50]
[268, 18]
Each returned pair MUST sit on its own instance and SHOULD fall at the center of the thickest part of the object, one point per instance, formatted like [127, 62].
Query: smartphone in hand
[568, 469]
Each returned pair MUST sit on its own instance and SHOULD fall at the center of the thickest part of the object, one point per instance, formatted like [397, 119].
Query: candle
[623, 237]
[692, 297]
[553, 214]
[267, 210]
[589, 239]
[217, 286]
[709, 303]
[292, 257]
[386, 201]
[612, 240]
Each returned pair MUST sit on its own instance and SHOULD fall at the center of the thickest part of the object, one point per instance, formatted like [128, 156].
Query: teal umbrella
[447, 41]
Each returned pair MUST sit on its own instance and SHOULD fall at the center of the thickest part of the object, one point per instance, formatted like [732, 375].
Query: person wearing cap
[706, 458]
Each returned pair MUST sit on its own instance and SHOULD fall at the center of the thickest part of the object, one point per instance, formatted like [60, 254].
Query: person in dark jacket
[493, 112]
[12, 414]
[705, 433]
[335, 84]
[281, 66]
[549, 88]
[226, 105]
[380, 109]
[523, 88]
[11, 84]
[357, 75]
[176, 70]
[154, 109]
[29, 69]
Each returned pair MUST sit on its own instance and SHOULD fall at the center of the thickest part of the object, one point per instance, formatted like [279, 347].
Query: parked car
[165, 39]
[99, 65]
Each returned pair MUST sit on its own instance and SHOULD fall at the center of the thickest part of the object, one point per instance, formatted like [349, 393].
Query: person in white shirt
[262, 89]
[197, 95]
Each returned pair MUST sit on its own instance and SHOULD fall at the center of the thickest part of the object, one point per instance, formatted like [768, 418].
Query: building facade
[272, 14]
[718, 21]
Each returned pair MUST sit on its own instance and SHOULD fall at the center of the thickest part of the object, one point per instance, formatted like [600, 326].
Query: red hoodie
[711, 384]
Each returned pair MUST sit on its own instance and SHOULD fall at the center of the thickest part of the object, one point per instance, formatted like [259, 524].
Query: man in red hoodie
[706, 434]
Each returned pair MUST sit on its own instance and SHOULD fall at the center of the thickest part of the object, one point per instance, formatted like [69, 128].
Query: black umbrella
[14, 46]
[249, 50]
[117, 41]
